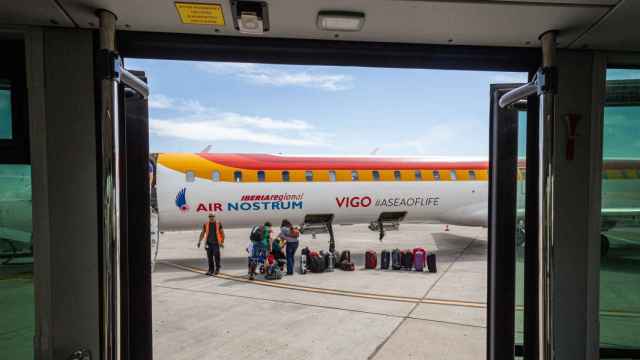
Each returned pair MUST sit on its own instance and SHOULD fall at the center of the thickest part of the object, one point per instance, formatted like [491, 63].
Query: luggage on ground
[304, 255]
[316, 262]
[431, 263]
[344, 261]
[273, 272]
[329, 260]
[385, 259]
[370, 259]
[419, 258]
[396, 259]
[406, 259]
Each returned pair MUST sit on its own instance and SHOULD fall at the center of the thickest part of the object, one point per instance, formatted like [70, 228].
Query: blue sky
[293, 109]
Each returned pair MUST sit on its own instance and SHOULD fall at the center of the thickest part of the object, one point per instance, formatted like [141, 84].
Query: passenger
[277, 246]
[291, 236]
[261, 247]
[214, 240]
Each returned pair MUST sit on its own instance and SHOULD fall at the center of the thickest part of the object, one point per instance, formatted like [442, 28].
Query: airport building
[541, 261]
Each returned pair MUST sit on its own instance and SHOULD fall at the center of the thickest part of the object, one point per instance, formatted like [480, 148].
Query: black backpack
[316, 264]
[256, 234]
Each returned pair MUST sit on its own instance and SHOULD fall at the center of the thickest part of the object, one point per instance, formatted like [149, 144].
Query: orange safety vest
[219, 234]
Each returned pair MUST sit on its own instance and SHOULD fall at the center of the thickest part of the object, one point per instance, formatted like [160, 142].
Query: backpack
[256, 233]
[273, 272]
[316, 263]
[345, 256]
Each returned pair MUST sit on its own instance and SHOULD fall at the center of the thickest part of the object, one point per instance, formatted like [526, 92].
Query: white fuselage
[246, 204]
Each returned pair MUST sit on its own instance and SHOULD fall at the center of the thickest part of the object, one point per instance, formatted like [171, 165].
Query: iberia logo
[181, 200]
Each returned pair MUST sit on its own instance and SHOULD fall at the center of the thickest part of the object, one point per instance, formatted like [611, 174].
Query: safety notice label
[200, 13]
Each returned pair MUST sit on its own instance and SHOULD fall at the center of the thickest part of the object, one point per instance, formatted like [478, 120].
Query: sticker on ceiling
[200, 13]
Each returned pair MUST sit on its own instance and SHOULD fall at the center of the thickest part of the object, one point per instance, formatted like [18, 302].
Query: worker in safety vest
[213, 235]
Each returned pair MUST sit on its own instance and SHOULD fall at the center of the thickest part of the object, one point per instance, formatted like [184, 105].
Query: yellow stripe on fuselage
[204, 169]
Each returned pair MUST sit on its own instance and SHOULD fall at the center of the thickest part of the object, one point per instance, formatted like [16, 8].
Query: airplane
[318, 192]
[15, 212]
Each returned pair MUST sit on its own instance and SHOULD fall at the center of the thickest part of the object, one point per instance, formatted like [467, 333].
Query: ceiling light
[340, 20]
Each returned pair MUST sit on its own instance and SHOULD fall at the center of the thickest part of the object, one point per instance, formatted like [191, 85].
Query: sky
[323, 110]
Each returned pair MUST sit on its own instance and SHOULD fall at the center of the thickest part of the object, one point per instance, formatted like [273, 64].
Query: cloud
[194, 121]
[160, 101]
[274, 76]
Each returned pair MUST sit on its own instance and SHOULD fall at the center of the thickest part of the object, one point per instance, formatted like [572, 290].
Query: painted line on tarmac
[348, 293]
[371, 296]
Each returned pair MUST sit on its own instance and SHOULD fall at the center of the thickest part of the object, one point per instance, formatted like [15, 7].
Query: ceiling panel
[619, 30]
[32, 12]
[517, 23]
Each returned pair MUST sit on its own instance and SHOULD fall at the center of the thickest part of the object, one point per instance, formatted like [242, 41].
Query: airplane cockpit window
[354, 175]
[436, 175]
[418, 175]
[215, 175]
[472, 175]
[237, 176]
[190, 176]
[285, 176]
[397, 175]
[376, 175]
[261, 176]
[332, 175]
[5, 110]
[308, 175]
[453, 174]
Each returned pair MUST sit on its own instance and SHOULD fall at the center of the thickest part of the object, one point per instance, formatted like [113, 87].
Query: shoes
[216, 272]
[209, 273]
[289, 273]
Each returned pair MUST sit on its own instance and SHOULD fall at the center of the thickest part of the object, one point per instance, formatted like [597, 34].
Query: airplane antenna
[375, 151]
[206, 149]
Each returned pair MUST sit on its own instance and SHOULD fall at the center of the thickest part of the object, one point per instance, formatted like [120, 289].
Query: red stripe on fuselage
[276, 162]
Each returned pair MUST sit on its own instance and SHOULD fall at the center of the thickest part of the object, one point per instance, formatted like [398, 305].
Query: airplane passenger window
[261, 176]
[453, 175]
[472, 175]
[308, 175]
[436, 175]
[285, 175]
[354, 175]
[190, 176]
[215, 175]
[376, 175]
[418, 175]
[332, 175]
[397, 175]
[237, 176]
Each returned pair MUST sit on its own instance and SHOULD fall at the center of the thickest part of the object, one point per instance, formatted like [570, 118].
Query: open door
[135, 223]
[512, 227]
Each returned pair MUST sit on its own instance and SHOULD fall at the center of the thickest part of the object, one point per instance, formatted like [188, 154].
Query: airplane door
[512, 325]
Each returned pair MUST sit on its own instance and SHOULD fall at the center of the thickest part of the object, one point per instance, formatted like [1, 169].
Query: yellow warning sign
[200, 13]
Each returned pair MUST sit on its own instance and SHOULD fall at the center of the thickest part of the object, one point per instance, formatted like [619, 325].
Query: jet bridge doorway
[162, 46]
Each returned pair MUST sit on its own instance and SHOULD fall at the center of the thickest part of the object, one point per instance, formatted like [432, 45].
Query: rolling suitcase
[396, 259]
[419, 258]
[370, 259]
[385, 259]
[431, 263]
[407, 259]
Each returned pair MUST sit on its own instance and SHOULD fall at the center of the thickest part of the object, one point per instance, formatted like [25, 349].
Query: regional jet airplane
[317, 192]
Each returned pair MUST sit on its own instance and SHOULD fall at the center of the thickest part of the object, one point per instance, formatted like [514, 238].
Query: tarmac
[365, 314]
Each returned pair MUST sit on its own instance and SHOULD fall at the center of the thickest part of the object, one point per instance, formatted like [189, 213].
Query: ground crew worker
[213, 234]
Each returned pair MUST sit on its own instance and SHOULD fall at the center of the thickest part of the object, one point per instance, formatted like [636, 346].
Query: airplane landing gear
[604, 245]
